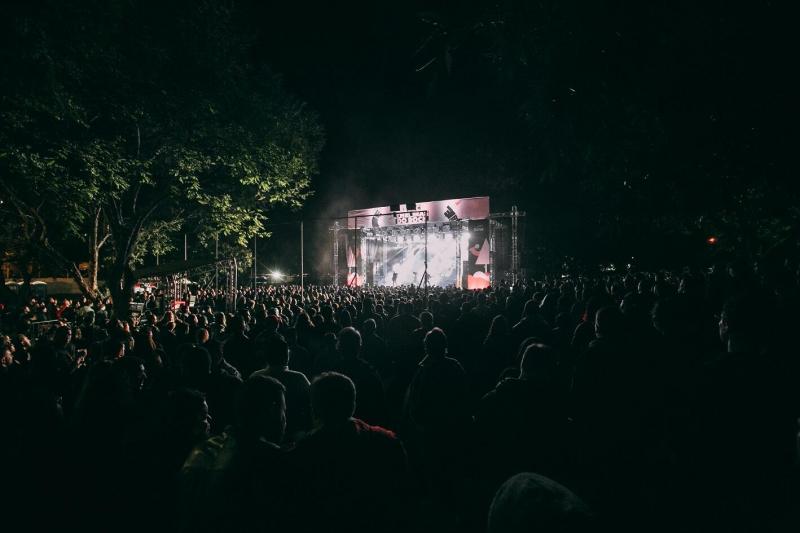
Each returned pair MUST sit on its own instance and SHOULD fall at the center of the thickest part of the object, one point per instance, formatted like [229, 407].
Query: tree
[115, 135]
[631, 123]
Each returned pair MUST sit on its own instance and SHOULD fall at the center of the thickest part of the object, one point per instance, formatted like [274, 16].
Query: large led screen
[405, 261]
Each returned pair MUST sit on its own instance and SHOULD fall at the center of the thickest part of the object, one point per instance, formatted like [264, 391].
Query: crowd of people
[631, 402]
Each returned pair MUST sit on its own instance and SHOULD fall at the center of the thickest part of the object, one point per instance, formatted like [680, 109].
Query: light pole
[255, 261]
[302, 266]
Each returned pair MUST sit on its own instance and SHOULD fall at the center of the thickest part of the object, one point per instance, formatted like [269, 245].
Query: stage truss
[434, 253]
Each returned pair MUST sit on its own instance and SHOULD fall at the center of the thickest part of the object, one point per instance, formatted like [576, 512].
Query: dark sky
[390, 137]
[688, 95]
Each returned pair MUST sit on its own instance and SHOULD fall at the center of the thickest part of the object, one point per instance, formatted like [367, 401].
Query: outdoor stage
[457, 242]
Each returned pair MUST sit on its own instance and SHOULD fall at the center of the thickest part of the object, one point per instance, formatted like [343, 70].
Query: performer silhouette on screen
[394, 279]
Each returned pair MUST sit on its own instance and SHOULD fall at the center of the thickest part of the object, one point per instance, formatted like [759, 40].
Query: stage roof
[476, 208]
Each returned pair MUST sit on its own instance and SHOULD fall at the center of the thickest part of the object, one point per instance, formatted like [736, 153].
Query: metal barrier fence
[37, 329]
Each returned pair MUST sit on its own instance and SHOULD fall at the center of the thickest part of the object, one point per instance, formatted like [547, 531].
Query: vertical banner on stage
[477, 260]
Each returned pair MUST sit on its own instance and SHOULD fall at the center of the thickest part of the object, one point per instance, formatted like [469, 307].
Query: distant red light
[711, 240]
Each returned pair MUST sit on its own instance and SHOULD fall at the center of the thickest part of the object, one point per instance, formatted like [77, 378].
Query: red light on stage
[711, 240]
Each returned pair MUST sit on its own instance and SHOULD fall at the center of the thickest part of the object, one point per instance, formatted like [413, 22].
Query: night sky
[391, 134]
[672, 101]
[395, 132]
[623, 128]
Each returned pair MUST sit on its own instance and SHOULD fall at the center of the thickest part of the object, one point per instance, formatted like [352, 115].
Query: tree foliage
[148, 117]
[630, 124]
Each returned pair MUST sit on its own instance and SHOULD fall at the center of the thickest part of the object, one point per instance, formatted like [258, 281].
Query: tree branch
[103, 241]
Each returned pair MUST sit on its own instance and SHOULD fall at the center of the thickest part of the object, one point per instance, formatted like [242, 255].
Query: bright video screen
[405, 262]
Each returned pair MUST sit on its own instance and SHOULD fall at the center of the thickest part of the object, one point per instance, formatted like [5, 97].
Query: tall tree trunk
[94, 252]
[125, 236]
[122, 277]
[25, 290]
[120, 283]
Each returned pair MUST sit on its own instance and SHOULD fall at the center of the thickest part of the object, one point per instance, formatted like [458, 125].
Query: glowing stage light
[711, 240]
[276, 275]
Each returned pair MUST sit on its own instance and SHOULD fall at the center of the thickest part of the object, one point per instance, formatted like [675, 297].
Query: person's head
[277, 354]
[349, 343]
[271, 323]
[499, 326]
[538, 363]
[187, 415]
[564, 322]
[609, 323]
[261, 409]
[436, 343]
[426, 317]
[290, 334]
[594, 304]
[369, 326]
[333, 398]
[671, 316]
[238, 324]
[23, 341]
[6, 356]
[530, 309]
[130, 373]
[62, 336]
[530, 502]
[196, 365]
[345, 319]
[114, 348]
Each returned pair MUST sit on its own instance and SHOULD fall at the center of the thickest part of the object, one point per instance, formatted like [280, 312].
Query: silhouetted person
[353, 476]
[520, 425]
[327, 358]
[235, 481]
[529, 502]
[370, 388]
[238, 349]
[158, 448]
[585, 330]
[744, 425]
[220, 388]
[400, 331]
[496, 355]
[374, 350]
[531, 325]
[437, 416]
[298, 395]
[300, 358]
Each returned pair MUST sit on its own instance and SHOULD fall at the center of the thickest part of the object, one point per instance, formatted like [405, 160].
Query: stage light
[276, 275]
[711, 240]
